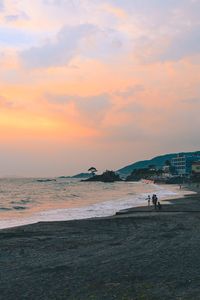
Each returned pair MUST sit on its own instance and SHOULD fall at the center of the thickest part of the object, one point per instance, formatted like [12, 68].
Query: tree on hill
[92, 170]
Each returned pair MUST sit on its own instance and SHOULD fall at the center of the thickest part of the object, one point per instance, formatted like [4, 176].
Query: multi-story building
[183, 163]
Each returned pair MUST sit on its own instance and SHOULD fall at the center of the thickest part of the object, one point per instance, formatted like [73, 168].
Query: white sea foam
[100, 209]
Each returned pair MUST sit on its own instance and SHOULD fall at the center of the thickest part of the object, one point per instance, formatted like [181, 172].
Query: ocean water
[27, 200]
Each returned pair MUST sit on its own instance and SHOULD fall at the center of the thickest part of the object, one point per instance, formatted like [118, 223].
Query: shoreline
[168, 203]
[59, 215]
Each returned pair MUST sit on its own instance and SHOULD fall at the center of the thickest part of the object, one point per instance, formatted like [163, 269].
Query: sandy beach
[137, 254]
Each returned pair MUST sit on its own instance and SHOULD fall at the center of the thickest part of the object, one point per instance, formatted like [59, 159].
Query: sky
[100, 83]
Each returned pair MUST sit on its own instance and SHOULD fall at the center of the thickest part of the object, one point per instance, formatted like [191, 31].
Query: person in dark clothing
[155, 201]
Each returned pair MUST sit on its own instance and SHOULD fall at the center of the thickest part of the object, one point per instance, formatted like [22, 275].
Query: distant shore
[139, 254]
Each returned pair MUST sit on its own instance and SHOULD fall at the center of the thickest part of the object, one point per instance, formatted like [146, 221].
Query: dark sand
[140, 254]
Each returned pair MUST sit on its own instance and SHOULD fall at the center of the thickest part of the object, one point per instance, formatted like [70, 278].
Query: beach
[26, 201]
[137, 254]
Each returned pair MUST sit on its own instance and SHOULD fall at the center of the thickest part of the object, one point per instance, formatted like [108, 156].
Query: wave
[102, 209]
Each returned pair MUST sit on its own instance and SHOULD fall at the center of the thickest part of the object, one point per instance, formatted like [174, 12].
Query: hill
[158, 161]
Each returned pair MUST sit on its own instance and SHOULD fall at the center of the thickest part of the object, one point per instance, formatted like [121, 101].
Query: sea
[31, 200]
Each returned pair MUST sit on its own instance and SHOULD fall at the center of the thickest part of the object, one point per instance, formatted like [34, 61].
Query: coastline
[96, 209]
[137, 255]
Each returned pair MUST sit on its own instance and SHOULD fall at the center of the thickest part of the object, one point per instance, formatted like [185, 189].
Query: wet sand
[137, 254]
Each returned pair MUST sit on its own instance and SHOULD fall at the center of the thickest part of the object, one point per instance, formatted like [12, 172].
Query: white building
[183, 163]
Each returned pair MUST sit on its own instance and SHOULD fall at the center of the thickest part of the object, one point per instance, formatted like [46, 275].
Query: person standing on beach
[154, 201]
[149, 200]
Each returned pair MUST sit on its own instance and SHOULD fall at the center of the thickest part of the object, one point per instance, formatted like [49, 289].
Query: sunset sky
[98, 83]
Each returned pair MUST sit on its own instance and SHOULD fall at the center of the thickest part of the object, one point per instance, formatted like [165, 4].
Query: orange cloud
[114, 10]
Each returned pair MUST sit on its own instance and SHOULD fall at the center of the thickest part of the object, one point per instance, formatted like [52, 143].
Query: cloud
[90, 110]
[107, 44]
[85, 40]
[152, 30]
[59, 51]
[132, 104]
[150, 8]
[94, 108]
[184, 44]
[135, 108]
[130, 91]
[161, 30]
[17, 17]
[1, 4]
[54, 2]
[168, 47]
[4, 103]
